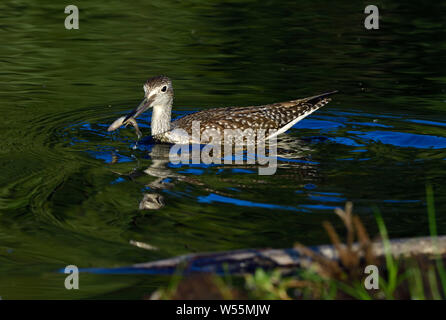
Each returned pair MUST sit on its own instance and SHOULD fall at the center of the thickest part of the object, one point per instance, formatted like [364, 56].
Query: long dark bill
[141, 108]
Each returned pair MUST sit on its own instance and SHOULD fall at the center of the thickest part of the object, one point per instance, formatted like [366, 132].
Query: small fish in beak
[145, 104]
[125, 121]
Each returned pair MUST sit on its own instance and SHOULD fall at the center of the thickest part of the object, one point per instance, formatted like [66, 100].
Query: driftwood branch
[246, 261]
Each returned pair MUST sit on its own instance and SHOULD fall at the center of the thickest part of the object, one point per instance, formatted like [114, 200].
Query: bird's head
[158, 92]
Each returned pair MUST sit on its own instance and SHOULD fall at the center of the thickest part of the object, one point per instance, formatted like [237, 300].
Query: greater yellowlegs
[158, 94]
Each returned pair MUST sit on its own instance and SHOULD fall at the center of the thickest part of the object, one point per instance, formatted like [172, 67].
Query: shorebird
[276, 117]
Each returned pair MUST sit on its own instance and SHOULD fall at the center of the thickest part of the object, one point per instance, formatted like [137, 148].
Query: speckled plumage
[270, 116]
[276, 116]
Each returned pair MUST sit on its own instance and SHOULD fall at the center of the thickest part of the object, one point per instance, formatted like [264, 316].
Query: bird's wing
[271, 116]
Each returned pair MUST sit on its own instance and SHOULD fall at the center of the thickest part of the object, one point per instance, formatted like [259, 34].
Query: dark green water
[62, 202]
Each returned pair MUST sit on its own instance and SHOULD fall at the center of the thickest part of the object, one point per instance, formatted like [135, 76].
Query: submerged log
[248, 260]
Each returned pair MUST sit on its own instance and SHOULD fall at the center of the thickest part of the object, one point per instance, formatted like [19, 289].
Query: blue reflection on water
[346, 141]
[323, 198]
[402, 139]
[192, 171]
[118, 180]
[310, 186]
[401, 201]
[242, 171]
[317, 206]
[245, 203]
[359, 150]
[317, 124]
[433, 123]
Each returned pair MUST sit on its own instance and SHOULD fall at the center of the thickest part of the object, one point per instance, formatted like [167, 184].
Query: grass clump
[346, 273]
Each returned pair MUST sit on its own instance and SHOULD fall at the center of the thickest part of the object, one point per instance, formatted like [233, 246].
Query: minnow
[125, 120]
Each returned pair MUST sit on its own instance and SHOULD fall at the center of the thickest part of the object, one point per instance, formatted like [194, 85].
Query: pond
[70, 191]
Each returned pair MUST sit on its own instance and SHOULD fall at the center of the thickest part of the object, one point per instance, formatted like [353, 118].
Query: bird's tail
[319, 97]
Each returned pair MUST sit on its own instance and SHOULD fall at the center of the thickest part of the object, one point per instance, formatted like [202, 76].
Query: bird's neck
[161, 116]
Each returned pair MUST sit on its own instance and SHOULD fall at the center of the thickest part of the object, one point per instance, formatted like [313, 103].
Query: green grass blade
[433, 232]
[392, 267]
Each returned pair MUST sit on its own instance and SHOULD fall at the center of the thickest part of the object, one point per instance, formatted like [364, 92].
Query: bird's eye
[164, 89]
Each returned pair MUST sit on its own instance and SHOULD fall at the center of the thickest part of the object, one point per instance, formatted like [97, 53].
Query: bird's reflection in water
[158, 169]
[151, 201]
[288, 148]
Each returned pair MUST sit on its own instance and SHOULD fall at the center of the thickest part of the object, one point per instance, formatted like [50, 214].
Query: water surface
[70, 191]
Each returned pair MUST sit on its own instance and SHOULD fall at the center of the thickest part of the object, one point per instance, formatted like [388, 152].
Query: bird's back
[270, 116]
